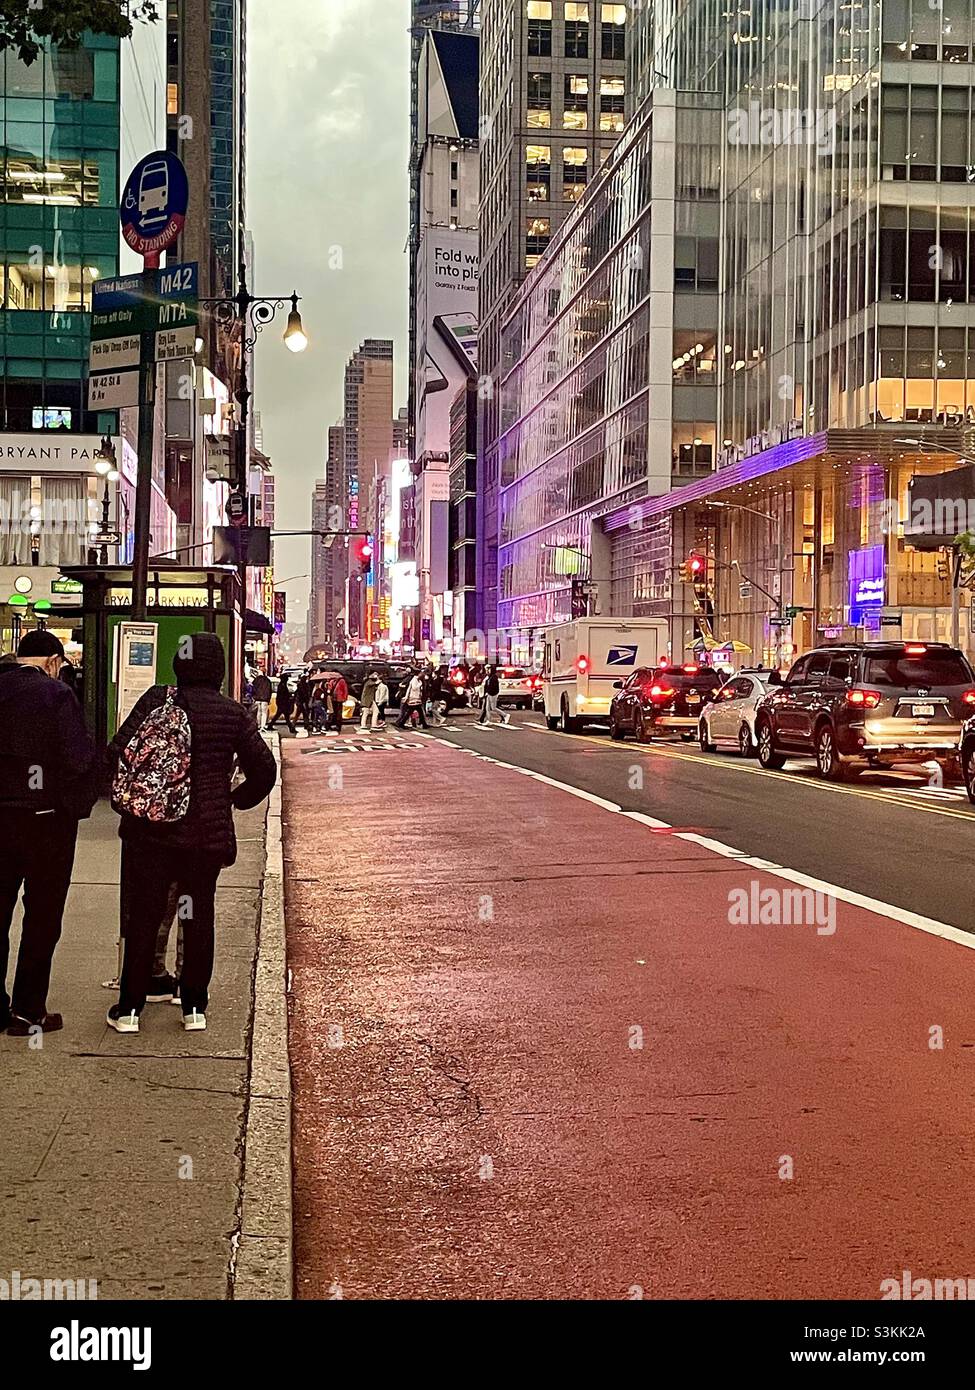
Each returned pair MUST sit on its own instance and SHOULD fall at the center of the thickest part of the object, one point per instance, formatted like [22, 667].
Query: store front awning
[805, 462]
[258, 624]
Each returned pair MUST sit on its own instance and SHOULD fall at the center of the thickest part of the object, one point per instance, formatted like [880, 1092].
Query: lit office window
[575, 172]
[539, 14]
[538, 159]
[612, 96]
[539, 233]
[172, 99]
[53, 182]
[614, 31]
[576, 29]
[539, 116]
[575, 110]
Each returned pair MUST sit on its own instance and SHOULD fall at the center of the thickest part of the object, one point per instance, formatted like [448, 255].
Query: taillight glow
[915, 650]
[691, 669]
[582, 664]
[969, 697]
[863, 699]
[661, 692]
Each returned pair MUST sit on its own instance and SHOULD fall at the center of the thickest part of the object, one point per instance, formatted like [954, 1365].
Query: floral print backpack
[153, 777]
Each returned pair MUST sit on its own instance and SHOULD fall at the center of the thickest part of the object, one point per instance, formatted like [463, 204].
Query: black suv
[874, 703]
[662, 698]
[396, 674]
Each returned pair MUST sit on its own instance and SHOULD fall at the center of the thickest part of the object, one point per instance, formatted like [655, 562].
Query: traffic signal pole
[143, 485]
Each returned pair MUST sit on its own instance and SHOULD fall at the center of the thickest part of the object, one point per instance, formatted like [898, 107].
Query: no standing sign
[153, 206]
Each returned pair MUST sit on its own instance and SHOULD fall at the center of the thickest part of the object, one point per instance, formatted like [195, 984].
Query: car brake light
[863, 699]
[915, 650]
[582, 664]
[969, 697]
[661, 692]
[691, 670]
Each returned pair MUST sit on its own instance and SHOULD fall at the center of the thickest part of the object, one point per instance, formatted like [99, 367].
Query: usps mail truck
[583, 659]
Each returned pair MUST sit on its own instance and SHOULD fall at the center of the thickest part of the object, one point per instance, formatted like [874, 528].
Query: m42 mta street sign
[162, 303]
[127, 305]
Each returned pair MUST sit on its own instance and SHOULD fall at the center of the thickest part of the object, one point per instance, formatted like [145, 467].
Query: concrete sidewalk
[123, 1157]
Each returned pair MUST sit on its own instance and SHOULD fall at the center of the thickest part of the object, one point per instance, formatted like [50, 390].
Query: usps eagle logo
[622, 656]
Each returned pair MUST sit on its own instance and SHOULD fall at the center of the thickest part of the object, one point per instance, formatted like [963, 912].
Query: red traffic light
[695, 564]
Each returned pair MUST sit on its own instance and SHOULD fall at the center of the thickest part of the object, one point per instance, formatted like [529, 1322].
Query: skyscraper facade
[809, 204]
[553, 104]
[368, 445]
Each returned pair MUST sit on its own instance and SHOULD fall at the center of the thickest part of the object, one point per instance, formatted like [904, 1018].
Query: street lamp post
[245, 316]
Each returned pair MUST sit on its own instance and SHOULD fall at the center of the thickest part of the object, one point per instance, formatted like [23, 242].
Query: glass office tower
[835, 249]
[60, 230]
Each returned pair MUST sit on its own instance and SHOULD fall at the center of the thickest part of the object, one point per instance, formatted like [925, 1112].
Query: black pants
[147, 876]
[37, 855]
[284, 714]
[405, 714]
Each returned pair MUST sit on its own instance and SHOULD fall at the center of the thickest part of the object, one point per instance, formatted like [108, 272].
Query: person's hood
[204, 663]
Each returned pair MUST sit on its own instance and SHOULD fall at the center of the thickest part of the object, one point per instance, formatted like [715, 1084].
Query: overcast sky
[328, 120]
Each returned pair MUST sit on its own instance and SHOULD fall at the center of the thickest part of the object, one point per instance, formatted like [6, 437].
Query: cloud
[327, 152]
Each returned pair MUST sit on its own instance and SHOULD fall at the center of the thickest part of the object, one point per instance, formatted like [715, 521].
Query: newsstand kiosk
[179, 601]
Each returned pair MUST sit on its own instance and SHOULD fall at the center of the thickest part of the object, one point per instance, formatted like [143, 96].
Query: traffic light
[694, 569]
[365, 555]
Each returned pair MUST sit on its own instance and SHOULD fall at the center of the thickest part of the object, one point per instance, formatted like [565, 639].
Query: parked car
[662, 699]
[517, 687]
[872, 703]
[729, 720]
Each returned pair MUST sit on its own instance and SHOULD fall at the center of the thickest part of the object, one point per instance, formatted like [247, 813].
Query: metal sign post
[152, 212]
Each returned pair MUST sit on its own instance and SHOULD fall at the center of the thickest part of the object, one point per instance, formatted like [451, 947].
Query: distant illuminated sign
[867, 588]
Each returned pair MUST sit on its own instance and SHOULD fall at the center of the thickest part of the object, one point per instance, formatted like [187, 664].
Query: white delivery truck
[583, 659]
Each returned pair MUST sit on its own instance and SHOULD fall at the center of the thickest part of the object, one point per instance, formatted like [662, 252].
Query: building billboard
[446, 351]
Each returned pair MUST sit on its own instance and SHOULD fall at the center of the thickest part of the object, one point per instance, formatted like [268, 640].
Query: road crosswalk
[340, 743]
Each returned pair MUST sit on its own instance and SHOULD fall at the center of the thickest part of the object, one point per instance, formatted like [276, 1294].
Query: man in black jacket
[189, 852]
[47, 784]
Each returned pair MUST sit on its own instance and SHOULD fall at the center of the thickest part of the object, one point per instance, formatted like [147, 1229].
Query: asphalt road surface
[535, 1055]
[886, 835]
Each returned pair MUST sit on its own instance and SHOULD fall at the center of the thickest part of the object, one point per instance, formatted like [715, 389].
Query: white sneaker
[122, 1023]
[194, 1022]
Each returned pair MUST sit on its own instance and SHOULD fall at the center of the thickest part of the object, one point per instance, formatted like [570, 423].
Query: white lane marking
[715, 846]
[647, 820]
[846, 895]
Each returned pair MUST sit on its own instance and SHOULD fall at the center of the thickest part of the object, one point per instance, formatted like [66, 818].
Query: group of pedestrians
[173, 763]
[316, 702]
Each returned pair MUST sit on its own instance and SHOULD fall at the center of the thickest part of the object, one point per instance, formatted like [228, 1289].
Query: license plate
[922, 710]
[693, 699]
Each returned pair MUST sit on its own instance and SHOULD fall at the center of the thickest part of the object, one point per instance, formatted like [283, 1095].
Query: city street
[534, 1056]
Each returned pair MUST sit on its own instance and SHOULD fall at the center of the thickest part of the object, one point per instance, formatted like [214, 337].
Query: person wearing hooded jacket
[192, 851]
[48, 783]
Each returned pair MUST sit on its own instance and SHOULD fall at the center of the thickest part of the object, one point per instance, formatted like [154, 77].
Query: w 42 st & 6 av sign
[163, 303]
